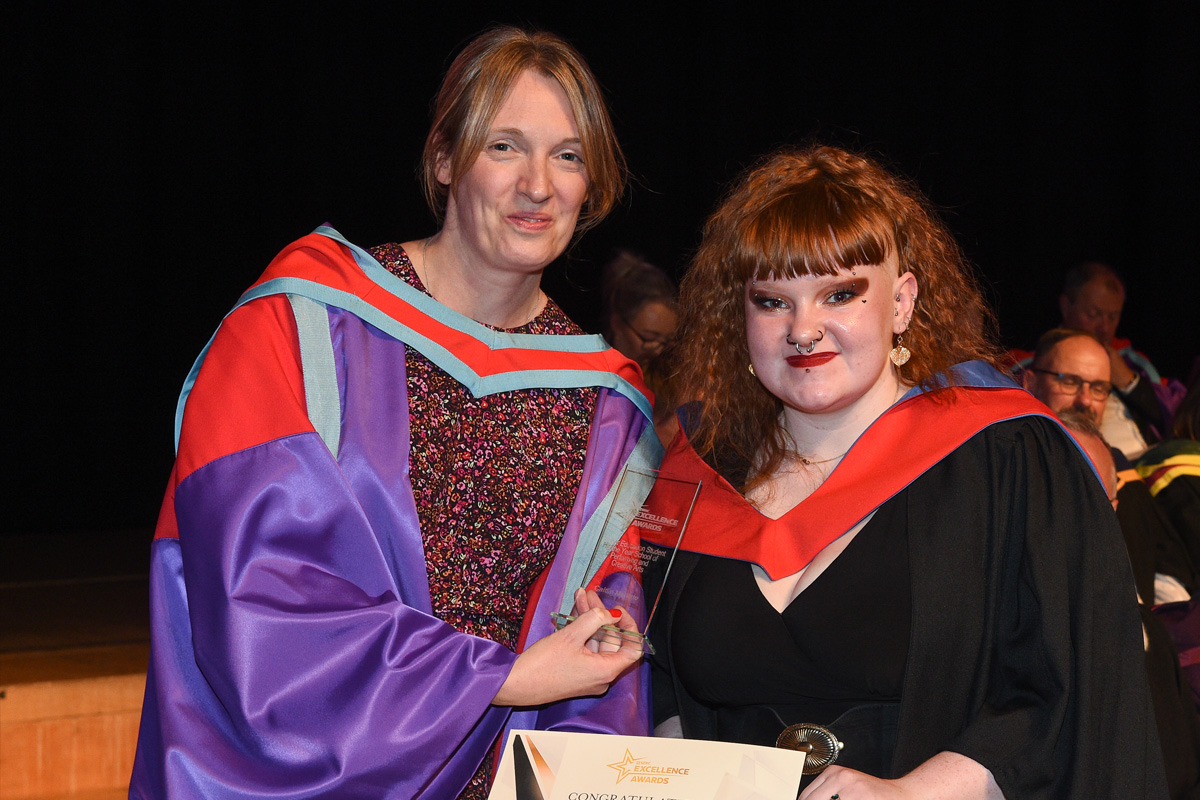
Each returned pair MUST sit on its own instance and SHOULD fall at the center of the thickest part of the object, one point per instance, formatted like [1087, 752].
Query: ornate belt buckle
[820, 744]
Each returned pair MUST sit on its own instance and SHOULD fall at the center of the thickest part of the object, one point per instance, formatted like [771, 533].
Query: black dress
[761, 670]
[1025, 650]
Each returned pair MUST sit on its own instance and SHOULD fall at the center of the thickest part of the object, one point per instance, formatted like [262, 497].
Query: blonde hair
[477, 84]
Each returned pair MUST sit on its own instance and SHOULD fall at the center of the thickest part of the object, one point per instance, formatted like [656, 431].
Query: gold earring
[751, 368]
[900, 354]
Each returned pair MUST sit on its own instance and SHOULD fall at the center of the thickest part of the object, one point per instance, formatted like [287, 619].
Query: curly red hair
[811, 211]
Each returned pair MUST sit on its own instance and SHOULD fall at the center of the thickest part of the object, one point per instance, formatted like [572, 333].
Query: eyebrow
[521, 133]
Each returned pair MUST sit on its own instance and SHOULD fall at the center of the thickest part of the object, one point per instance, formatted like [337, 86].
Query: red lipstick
[815, 360]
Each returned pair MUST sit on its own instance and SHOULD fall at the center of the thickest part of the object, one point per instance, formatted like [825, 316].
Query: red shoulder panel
[250, 388]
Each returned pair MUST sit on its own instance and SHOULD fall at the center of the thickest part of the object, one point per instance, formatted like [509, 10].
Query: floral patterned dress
[494, 480]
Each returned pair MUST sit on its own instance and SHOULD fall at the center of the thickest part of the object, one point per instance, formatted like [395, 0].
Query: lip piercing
[811, 345]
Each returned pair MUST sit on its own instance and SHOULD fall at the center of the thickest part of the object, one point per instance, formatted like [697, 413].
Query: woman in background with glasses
[640, 310]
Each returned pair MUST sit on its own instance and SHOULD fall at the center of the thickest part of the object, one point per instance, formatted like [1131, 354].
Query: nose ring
[812, 344]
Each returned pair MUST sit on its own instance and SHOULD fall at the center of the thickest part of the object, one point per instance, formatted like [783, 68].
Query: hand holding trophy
[578, 660]
[606, 640]
[643, 525]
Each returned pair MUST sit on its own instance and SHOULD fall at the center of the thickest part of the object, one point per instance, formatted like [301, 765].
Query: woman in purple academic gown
[895, 545]
[387, 460]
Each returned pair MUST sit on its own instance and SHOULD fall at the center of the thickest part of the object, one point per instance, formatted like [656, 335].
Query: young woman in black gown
[894, 542]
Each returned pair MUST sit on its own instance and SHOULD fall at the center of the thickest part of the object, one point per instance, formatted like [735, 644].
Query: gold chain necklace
[810, 463]
[530, 315]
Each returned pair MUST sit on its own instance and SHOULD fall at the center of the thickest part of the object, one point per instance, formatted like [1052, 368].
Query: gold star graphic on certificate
[624, 766]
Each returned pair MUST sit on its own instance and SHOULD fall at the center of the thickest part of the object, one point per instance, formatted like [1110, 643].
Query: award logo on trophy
[636, 538]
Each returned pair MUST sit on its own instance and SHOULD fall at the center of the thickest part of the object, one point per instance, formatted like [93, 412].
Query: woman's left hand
[946, 776]
[850, 784]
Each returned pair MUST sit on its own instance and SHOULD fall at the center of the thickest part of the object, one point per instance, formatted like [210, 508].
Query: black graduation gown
[1026, 650]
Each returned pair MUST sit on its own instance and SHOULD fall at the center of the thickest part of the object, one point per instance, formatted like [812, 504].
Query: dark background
[155, 160]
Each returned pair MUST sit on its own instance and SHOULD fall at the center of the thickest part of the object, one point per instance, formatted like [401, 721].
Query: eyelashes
[839, 295]
[845, 293]
[767, 301]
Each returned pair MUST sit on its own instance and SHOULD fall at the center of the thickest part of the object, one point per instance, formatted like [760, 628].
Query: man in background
[1092, 300]
[1070, 372]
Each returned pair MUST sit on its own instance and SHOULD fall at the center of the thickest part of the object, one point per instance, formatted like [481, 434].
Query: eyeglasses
[652, 341]
[1071, 384]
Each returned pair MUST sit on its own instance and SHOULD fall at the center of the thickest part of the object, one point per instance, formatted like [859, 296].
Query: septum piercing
[812, 344]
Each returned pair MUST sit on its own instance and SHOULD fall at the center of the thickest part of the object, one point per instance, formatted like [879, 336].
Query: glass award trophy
[636, 538]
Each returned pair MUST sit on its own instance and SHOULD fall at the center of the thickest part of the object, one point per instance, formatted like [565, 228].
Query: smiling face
[515, 209]
[852, 315]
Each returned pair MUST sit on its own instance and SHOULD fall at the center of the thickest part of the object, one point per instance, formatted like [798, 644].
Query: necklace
[424, 275]
[808, 462]
[424, 266]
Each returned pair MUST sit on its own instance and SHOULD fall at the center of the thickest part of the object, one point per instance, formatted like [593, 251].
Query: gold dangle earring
[900, 354]
[751, 368]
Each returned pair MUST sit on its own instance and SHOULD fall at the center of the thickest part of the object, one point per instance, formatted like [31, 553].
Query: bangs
[812, 229]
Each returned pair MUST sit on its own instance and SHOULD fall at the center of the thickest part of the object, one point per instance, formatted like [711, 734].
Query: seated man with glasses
[1139, 413]
[1092, 300]
[1071, 371]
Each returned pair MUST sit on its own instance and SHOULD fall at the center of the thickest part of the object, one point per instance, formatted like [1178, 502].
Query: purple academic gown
[294, 650]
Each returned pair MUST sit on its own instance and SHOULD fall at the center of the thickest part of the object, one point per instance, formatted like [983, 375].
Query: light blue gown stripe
[496, 340]
[188, 383]
[598, 538]
[321, 394]
[1141, 361]
[478, 385]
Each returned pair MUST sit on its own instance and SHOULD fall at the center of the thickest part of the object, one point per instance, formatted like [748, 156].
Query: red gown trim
[902, 444]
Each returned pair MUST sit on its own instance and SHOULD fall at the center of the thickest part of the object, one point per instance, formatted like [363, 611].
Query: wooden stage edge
[69, 720]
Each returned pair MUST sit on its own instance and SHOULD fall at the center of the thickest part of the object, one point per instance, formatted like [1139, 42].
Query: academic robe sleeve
[294, 662]
[1046, 688]
[1180, 501]
[1147, 404]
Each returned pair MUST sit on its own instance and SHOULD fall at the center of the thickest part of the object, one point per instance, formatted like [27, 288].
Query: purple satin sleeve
[290, 665]
[294, 651]
[625, 708]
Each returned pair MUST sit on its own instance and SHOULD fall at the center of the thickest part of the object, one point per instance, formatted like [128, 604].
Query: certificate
[553, 765]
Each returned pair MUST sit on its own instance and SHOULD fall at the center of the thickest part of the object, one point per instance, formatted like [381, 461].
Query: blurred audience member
[640, 312]
[1174, 711]
[1070, 373]
[1070, 369]
[1092, 300]
[1172, 469]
